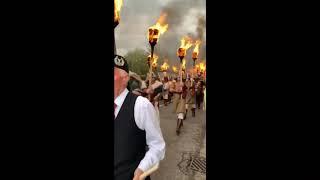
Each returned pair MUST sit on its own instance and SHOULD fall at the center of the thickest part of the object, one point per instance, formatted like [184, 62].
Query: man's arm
[147, 119]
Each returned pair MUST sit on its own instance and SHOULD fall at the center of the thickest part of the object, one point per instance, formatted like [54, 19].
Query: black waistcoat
[129, 141]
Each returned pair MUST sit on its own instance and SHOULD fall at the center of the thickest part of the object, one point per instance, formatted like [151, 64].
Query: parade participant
[199, 93]
[175, 94]
[165, 91]
[170, 94]
[135, 129]
[181, 89]
[191, 98]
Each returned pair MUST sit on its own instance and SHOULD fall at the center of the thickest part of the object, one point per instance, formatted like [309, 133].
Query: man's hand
[137, 174]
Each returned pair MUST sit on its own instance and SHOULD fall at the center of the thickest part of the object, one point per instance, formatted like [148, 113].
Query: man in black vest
[136, 128]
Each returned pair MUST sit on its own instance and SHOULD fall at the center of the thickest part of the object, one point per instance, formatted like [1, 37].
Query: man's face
[120, 81]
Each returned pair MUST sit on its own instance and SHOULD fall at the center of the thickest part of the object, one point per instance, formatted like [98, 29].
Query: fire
[156, 30]
[183, 64]
[202, 67]
[164, 66]
[186, 43]
[197, 68]
[174, 69]
[117, 8]
[196, 50]
[155, 60]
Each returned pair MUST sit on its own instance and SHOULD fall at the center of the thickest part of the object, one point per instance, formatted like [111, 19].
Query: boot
[193, 112]
[178, 127]
[181, 124]
[185, 116]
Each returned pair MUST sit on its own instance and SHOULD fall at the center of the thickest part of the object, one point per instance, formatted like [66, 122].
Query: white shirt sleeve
[146, 119]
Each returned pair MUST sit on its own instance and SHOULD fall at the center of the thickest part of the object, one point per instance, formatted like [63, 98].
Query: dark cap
[121, 63]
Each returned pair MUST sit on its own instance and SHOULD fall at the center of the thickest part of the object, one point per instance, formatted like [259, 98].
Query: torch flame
[174, 69]
[164, 66]
[196, 50]
[183, 64]
[202, 67]
[197, 68]
[159, 28]
[117, 8]
[186, 43]
[155, 60]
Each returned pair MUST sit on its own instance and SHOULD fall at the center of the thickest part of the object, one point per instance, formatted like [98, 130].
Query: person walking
[191, 98]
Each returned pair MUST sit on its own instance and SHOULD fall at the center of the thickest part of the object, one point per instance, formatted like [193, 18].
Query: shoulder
[142, 102]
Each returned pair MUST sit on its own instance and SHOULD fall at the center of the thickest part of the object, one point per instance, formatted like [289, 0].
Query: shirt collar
[120, 99]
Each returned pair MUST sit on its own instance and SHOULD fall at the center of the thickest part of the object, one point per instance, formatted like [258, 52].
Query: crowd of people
[187, 94]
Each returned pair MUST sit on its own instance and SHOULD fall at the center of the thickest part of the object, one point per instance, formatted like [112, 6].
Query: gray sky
[183, 19]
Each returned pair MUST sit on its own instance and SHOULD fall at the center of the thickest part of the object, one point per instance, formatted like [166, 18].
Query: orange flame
[159, 28]
[197, 67]
[183, 64]
[174, 69]
[164, 66]
[117, 8]
[196, 50]
[202, 67]
[155, 60]
[186, 43]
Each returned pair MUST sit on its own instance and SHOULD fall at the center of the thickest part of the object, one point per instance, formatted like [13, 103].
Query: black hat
[121, 63]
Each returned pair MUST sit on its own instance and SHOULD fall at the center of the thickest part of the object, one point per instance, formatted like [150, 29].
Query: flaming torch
[154, 63]
[195, 55]
[156, 30]
[183, 65]
[202, 68]
[186, 43]
[196, 52]
[174, 69]
[154, 33]
[117, 7]
[197, 68]
[164, 67]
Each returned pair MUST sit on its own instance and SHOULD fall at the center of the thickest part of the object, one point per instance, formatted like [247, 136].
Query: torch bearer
[117, 7]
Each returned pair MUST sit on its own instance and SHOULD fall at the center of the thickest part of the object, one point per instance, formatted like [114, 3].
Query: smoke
[185, 18]
[201, 26]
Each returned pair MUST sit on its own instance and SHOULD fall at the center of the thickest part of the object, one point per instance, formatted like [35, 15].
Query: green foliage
[137, 60]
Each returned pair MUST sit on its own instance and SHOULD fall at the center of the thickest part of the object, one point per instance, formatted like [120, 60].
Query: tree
[137, 61]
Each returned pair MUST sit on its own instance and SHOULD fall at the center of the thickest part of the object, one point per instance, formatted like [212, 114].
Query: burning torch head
[181, 53]
[194, 56]
[195, 52]
[153, 36]
[156, 30]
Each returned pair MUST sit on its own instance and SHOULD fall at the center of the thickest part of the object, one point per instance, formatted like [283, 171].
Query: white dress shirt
[146, 119]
